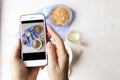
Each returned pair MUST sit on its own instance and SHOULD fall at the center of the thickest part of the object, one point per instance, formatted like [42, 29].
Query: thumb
[52, 57]
[15, 57]
[16, 51]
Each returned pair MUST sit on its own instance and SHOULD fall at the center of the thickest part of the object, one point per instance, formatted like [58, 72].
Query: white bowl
[70, 12]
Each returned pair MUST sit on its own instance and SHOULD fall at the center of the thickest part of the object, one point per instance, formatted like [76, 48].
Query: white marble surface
[96, 20]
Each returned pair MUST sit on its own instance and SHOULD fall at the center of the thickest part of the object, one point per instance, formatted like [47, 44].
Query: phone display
[33, 39]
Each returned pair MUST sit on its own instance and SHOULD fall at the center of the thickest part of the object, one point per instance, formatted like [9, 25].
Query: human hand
[57, 57]
[18, 70]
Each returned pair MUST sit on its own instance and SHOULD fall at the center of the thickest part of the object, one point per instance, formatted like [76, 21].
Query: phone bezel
[29, 17]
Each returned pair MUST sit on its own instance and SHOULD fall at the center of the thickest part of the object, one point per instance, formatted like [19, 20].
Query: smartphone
[33, 40]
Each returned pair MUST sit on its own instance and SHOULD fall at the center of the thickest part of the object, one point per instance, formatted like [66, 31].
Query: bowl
[37, 44]
[42, 37]
[27, 34]
[37, 29]
[61, 15]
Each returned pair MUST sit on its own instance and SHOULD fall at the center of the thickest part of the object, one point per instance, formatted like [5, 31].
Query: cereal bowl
[61, 15]
[37, 29]
[37, 44]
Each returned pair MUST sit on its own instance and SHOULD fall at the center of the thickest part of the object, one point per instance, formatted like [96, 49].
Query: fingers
[17, 50]
[52, 57]
[58, 40]
[48, 36]
[53, 34]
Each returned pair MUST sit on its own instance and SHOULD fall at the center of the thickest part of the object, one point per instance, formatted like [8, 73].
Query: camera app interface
[33, 40]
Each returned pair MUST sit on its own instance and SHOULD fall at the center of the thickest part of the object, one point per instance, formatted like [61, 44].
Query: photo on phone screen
[33, 40]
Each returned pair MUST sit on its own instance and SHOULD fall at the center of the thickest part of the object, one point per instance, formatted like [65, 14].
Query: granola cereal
[60, 16]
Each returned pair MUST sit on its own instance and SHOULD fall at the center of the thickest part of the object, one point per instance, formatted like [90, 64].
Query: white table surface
[98, 21]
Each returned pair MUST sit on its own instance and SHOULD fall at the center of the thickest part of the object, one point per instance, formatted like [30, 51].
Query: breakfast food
[25, 42]
[42, 37]
[27, 34]
[36, 44]
[60, 16]
[73, 36]
[37, 29]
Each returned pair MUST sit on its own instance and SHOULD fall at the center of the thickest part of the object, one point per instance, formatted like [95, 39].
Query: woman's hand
[57, 57]
[18, 70]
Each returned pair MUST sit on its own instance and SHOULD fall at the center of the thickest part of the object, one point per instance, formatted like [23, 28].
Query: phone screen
[33, 40]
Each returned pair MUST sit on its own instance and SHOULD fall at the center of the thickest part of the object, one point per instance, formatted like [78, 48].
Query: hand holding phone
[33, 40]
[57, 65]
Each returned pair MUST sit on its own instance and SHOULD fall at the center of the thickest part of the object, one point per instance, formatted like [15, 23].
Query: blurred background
[98, 23]
[0, 33]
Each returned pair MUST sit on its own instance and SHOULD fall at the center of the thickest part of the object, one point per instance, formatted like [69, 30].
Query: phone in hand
[33, 40]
